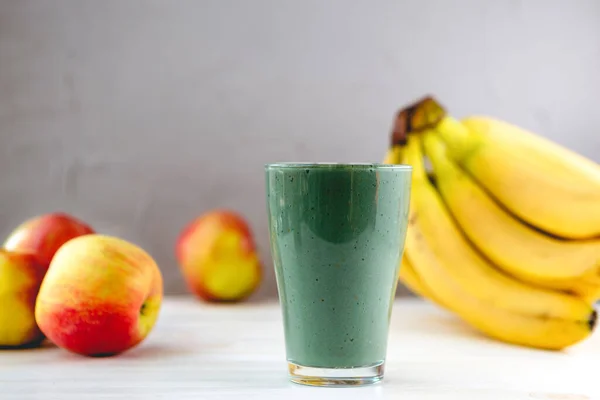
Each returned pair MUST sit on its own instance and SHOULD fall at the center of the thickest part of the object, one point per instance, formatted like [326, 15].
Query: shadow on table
[149, 351]
[45, 344]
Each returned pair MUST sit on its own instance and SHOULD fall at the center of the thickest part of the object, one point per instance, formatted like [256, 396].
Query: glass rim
[325, 165]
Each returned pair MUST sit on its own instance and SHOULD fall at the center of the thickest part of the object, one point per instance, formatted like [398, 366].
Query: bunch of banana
[508, 237]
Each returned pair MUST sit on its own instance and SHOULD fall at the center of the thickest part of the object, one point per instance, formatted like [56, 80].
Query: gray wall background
[138, 116]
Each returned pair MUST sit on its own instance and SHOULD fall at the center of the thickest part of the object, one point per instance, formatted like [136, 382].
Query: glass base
[356, 376]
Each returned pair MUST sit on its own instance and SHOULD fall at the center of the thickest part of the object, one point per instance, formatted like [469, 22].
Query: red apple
[20, 278]
[218, 257]
[101, 296]
[44, 235]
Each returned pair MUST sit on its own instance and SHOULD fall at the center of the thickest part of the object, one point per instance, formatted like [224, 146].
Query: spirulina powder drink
[337, 234]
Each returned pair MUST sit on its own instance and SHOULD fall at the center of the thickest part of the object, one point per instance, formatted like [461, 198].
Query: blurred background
[138, 116]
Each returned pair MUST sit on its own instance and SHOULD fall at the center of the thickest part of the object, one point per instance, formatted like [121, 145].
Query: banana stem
[415, 117]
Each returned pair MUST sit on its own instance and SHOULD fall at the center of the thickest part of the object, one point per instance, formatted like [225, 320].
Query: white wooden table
[200, 351]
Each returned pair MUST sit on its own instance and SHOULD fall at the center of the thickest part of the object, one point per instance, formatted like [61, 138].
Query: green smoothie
[337, 234]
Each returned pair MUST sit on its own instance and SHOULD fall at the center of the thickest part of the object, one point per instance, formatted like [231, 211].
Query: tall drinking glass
[337, 234]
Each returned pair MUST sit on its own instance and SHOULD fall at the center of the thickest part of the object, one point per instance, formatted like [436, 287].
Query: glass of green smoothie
[337, 235]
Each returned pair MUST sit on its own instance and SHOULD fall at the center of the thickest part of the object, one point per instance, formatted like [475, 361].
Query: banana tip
[593, 319]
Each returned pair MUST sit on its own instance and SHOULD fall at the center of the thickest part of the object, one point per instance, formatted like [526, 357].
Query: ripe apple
[101, 296]
[45, 234]
[218, 257]
[20, 278]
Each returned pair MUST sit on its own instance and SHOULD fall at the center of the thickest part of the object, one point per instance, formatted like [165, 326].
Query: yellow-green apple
[20, 278]
[218, 257]
[101, 296]
[43, 235]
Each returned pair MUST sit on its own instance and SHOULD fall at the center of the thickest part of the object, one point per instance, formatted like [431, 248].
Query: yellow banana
[550, 187]
[411, 280]
[514, 247]
[393, 155]
[407, 274]
[494, 303]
